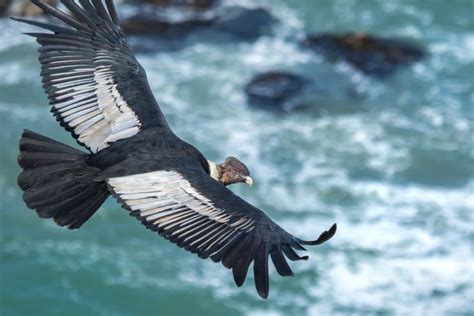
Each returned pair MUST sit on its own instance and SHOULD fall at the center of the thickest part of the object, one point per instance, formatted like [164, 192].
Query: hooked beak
[249, 181]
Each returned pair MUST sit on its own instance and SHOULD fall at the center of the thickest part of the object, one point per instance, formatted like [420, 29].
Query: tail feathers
[37, 150]
[57, 182]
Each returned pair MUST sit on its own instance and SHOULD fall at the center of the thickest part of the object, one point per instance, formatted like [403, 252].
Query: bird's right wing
[97, 89]
[195, 212]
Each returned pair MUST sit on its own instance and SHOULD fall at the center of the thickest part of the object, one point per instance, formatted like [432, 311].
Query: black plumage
[99, 92]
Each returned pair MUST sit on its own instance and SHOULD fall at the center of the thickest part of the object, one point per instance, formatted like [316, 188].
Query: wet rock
[189, 4]
[275, 88]
[169, 19]
[244, 23]
[375, 56]
[139, 25]
[178, 21]
[4, 5]
[314, 90]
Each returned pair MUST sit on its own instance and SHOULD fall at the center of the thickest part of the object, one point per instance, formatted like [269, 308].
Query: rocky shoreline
[164, 25]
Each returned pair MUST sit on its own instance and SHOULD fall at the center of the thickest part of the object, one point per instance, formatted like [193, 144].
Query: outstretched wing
[97, 89]
[197, 213]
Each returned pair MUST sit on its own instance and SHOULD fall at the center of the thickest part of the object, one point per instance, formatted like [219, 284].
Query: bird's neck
[214, 170]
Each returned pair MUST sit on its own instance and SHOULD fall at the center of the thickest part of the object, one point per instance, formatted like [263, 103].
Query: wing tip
[263, 294]
[21, 20]
[323, 237]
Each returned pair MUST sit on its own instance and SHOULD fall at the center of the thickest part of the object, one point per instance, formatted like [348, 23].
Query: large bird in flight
[99, 93]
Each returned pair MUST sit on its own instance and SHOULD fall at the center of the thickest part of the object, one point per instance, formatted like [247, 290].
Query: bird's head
[230, 171]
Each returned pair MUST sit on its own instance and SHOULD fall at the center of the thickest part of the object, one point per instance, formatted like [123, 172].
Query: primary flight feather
[100, 94]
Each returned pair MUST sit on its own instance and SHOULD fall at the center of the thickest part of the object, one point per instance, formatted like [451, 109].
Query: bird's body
[152, 149]
[99, 92]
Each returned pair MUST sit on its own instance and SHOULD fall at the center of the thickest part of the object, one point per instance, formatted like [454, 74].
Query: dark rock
[274, 88]
[314, 90]
[168, 29]
[189, 4]
[167, 23]
[4, 5]
[172, 21]
[143, 44]
[244, 23]
[375, 56]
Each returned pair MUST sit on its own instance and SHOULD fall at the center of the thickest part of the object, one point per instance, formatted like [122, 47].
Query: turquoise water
[392, 162]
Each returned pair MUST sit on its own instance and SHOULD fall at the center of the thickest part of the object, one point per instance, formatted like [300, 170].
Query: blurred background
[355, 112]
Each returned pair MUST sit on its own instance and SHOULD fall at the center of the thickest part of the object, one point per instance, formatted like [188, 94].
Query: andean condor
[99, 92]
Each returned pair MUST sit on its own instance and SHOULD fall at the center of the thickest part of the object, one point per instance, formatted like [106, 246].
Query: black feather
[78, 12]
[88, 210]
[101, 9]
[211, 246]
[222, 253]
[325, 236]
[42, 175]
[260, 270]
[90, 10]
[77, 198]
[231, 259]
[60, 15]
[280, 263]
[240, 269]
[291, 254]
[50, 27]
[112, 10]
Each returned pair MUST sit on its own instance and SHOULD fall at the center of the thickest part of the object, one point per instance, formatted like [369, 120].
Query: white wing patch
[167, 201]
[88, 101]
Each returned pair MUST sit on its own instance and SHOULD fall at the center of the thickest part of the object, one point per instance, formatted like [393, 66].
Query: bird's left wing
[197, 213]
[97, 89]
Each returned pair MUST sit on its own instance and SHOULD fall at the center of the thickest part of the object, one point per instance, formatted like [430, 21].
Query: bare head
[230, 171]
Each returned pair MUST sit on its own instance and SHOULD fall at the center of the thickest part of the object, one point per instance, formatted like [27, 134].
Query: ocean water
[392, 162]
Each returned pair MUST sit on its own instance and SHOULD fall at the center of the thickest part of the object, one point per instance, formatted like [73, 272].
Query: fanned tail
[57, 182]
